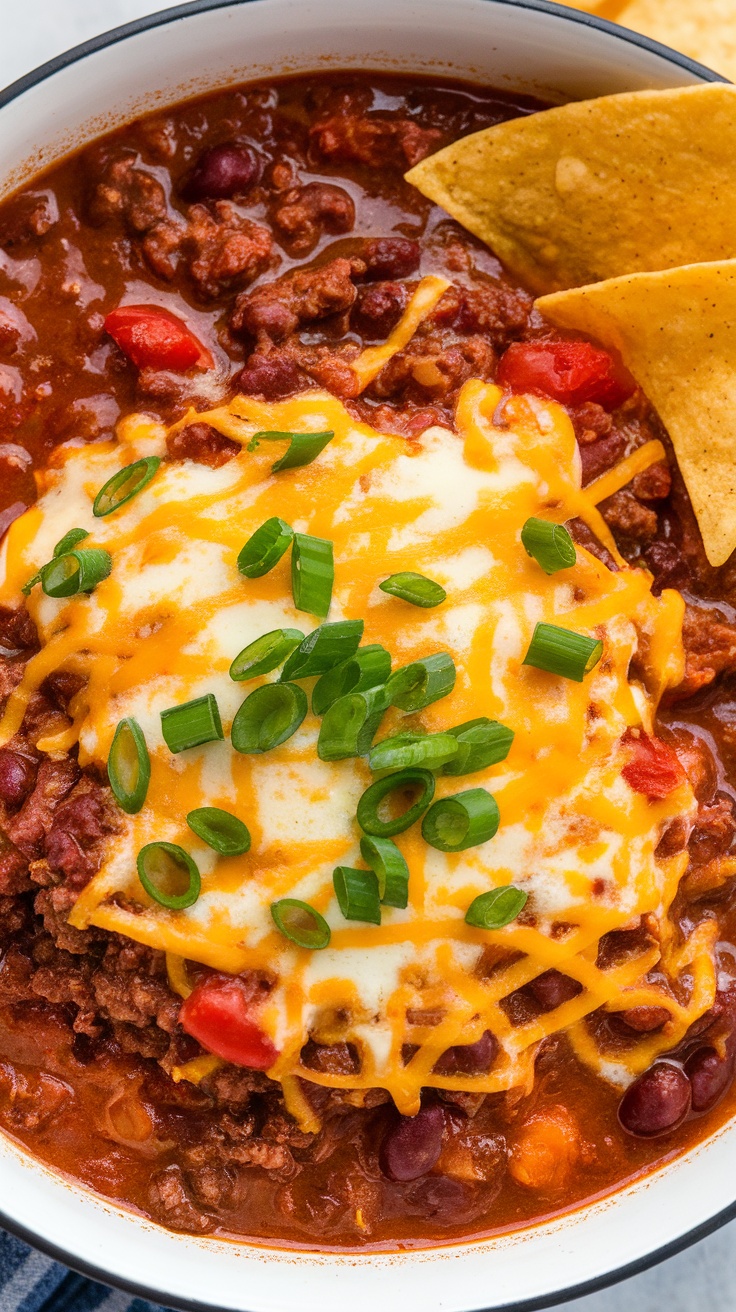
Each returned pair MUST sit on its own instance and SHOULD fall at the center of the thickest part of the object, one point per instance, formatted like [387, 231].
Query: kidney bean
[469, 1058]
[645, 1019]
[379, 308]
[270, 376]
[17, 777]
[709, 1075]
[390, 257]
[656, 1102]
[221, 172]
[552, 988]
[412, 1144]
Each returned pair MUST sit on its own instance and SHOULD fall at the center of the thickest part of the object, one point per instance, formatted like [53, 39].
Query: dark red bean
[644, 1020]
[656, 1102]
[221, 172]
[270, 376]
[412, 1144]
[469, 1058]
[391, 257]
[709, 1075]
[379, 308]
[17, 777]
[552, 988]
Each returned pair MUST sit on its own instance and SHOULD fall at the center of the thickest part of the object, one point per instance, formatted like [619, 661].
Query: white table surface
[702, 1279]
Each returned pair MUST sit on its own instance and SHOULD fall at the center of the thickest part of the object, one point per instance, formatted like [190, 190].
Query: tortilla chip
[676, 333]
[703, 29]
[591, 190]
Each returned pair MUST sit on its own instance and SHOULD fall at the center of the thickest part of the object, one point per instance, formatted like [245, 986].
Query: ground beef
[203, 444]
[370, 139]
[303, 215]
[28, 830]
[275, 311]
[222, 249]
[434, 366]
[710, 648]
[630, 520]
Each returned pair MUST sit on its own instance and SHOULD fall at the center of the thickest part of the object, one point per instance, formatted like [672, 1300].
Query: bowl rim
[15, 89]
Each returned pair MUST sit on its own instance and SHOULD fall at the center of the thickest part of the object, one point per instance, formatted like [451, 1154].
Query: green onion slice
[350, 724]
[357, 894]
[63, 546]
[300, 923]
[428, 749]
[265, 548]
[303, 447]
[125, 484]
[324, 648]
[169, 875]
[497, 908]
[561, 651]
[263, 655]
[369, 805]
[75, 572]
[220, 830]
[268, 716]
[70, 540]
[415, 588]
[455, 823]
[550, 544]
[129, 766]
[392, 872]
[312, 574]
[192, 724]
[480, 743]
[369, 667]
[415, 686]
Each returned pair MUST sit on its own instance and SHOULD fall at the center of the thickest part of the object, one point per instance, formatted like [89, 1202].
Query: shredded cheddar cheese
[165, 625]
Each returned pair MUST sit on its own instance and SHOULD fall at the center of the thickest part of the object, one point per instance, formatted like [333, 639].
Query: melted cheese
[174, 612]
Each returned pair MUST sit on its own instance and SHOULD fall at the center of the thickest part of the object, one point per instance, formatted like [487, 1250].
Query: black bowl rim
[29, 80]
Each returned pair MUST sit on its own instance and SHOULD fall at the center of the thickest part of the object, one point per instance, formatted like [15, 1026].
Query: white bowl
[528, 46]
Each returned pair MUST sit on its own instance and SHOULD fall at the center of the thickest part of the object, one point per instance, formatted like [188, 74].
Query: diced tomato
[221, 1013]
[569, 372]
[153, 338]
[654, 769]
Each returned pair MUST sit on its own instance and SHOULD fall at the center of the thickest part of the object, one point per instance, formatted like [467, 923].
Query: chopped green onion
[561, 651]
[169, 875]
[303, 447]
[415, 686]
[550, 544]
[129, 766]
[350, 724]
[454, 823]
[70, 540]
[369, 804]
[220, 830]
[268, 716]
[497, 908]
[428, 749]
[300, 923]
[125, 484]
[28, 587]
[369, 667]
[192, 724]
[323, 648]
[312, 574]
[481, 743]
[75, 572]
[357, 894]
[417, 589]
[263, 655]
[265, 548]
[63, 546]
[392, 872]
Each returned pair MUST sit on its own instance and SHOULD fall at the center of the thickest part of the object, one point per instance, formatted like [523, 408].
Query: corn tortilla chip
[703, 29]
[676, 332]
[595, 189]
